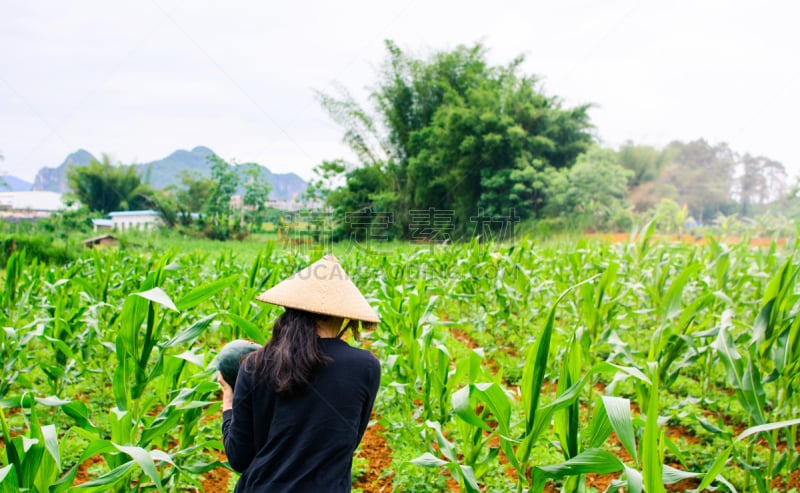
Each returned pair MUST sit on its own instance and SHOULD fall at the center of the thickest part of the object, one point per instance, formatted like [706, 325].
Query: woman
[302, 402]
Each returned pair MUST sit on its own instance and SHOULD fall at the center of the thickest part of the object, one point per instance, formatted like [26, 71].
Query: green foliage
[453, 133]
[324, 181]
[221, 223]
[710, 180]
[644, 162]
[669, 216]
[762, 181]
[505, 366]
[104, 187]
[67, 222]
[40, 247]
[256, 194]
[594, 192]
[195, 194]
[704, 177]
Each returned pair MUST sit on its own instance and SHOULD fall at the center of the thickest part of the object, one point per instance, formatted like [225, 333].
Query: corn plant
[33, 461]
[467, 457]
[772, 348]
[734, 450]
[13, 353]
[646, 473]
[242, 310]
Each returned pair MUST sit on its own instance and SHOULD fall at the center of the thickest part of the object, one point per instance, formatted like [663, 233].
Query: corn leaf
[51, 443]
[250, 329]
[592, 460]
[767, 427]
[652, 469]
[192, 332]
[9, 482]
[634, 479]
[106, 481]
[143, 458]
[672, 475]
[618, 411]
[600, 426]
[428, 460]
[157, 295]
[204, 292]
[715, 469]
[468, 479]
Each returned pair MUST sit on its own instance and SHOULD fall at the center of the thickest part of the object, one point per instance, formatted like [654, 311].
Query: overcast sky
[138, 80]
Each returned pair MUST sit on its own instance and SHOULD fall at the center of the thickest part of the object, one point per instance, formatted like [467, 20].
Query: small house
[101, 241]
[98, 224]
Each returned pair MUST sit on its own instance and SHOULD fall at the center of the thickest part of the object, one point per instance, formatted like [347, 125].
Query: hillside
[55, 179]
[167, 171]
[10, 183]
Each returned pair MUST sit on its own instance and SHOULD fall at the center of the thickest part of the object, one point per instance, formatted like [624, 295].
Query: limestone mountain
[10, 183]
[164, 172]
[55, 179]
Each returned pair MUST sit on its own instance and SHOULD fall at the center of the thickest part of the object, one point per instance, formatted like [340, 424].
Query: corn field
[526, 367]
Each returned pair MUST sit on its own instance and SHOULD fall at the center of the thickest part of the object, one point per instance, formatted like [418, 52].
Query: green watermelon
[231, 355]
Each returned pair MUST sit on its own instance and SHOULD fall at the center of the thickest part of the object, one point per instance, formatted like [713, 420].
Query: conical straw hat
[322, 287]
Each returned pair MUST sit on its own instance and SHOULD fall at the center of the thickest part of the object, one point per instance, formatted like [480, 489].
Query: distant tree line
[452, 132]
[199, 203]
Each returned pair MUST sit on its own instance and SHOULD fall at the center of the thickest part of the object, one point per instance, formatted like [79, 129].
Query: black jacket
[305, 442]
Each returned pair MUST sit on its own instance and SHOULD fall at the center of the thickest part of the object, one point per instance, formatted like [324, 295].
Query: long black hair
[288, 361]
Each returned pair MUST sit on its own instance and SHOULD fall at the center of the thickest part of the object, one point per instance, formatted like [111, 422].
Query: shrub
[40, 247]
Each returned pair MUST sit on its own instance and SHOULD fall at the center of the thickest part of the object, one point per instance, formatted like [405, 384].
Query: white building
[15, 206]
[31, 201]
[142, 220]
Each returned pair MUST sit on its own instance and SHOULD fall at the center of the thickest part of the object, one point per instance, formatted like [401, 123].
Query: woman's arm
[373, 382]
[237, 425]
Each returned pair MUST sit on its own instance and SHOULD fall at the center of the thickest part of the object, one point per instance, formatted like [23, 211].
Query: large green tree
[761, 182]
[451, 132]
[256, 193]
[104, 187]
[195, 192]
[220, 223]
[703, 175]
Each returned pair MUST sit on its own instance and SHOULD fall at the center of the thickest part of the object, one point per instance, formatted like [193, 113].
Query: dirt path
[379, 457]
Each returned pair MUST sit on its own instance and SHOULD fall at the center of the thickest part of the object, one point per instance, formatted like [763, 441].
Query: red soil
[685, 238]
[83, 469]
[216, 480]
[783, 484]
[379, 457]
